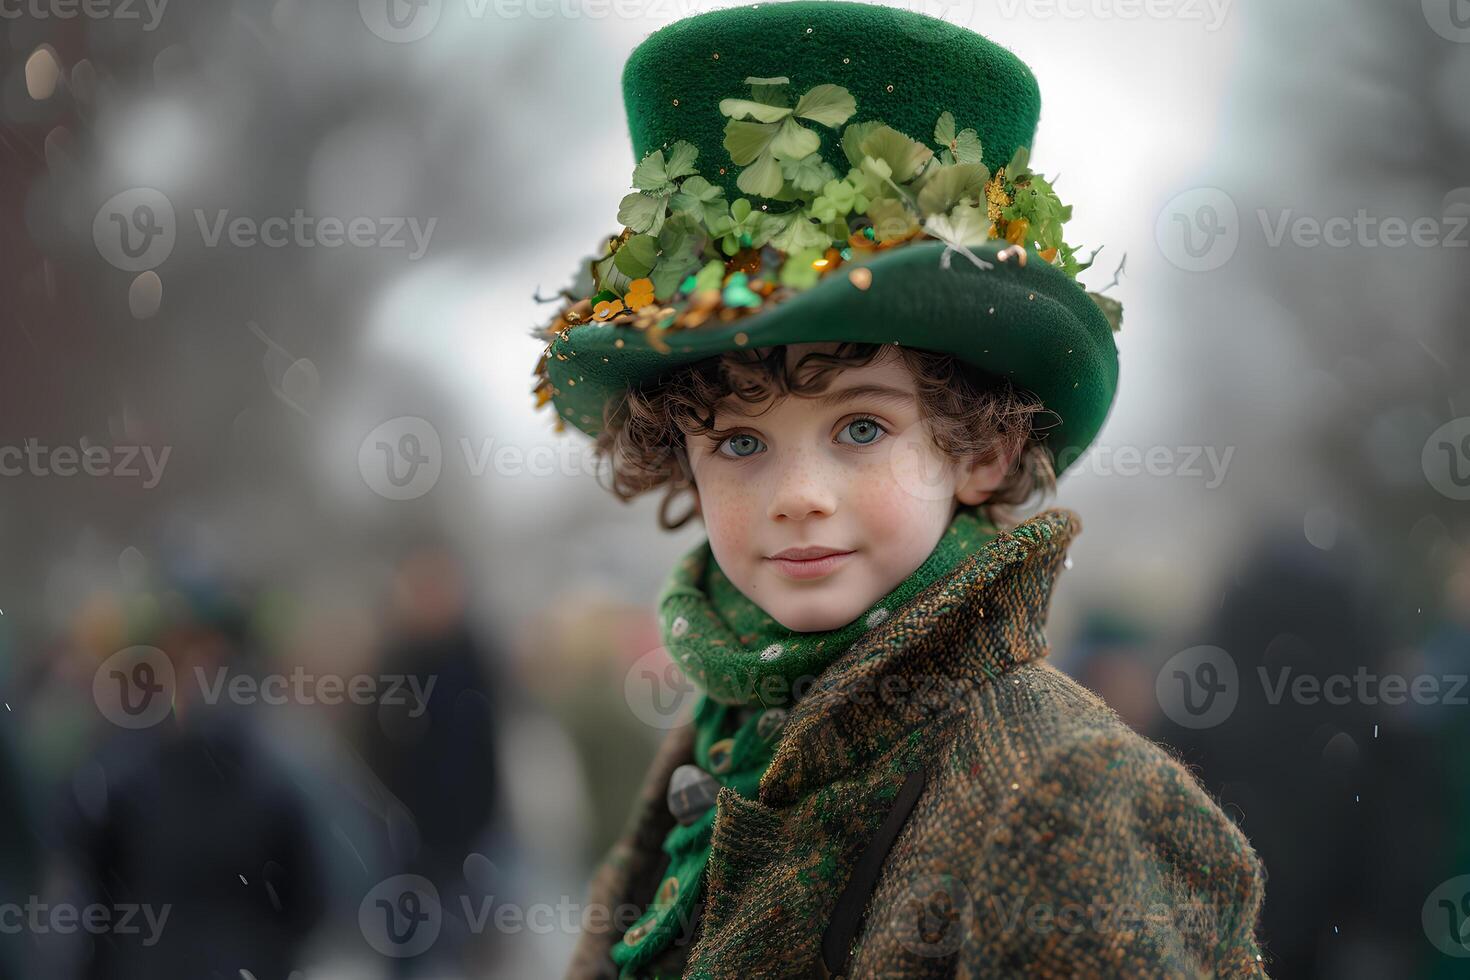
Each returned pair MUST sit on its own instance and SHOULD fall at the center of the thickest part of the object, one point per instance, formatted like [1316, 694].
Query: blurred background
[268, 449]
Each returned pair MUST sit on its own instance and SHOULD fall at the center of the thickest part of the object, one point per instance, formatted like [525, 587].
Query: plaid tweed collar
[980, 621]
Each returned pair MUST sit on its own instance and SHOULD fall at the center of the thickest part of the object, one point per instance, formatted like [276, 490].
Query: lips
[823, 562]
[809, 552]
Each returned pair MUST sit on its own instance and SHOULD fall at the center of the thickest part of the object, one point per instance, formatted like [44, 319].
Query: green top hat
[822, 170]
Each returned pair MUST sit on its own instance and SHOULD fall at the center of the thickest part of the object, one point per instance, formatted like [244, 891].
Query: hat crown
[901, 67]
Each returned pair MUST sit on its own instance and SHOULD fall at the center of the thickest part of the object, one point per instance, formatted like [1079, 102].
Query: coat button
[640, 929]
[771, 721]
[719, 755]
[667, 892]
[691, 792]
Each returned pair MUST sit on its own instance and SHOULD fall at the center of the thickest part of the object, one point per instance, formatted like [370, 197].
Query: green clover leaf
[826, 105]
[656, 176]
[743, 226]
[839, 199]
[702, 199]
[643, 212]
[891, 219]
[798, 272]
[796, 232]
[636, 258]
[1037, 202]
[809, 173]
[712, 276]
[760, 137]
[962, 147]
[967, 224]
[948, 185]
[852, 140]
[680, 243]
[903, 156]
[870, 186]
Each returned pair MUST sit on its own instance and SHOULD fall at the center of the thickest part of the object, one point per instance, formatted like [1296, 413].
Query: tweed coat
[1048, 840]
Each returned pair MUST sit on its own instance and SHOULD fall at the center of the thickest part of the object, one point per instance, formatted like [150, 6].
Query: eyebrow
[873, 391]
[876, 392]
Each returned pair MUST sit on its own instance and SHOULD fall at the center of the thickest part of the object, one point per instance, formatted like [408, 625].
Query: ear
[977, 480]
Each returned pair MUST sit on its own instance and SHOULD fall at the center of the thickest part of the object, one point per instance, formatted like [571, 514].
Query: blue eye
[865, 431]
[741, 439]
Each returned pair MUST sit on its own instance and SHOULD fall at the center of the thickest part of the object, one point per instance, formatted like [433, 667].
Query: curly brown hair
[967, 413]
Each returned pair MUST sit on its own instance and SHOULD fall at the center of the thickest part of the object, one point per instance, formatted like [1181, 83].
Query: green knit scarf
[743, 660]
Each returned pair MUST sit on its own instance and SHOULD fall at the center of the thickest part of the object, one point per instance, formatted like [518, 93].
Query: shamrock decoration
[644, 209]
[961, 147]
[686, 255]
[765, 136]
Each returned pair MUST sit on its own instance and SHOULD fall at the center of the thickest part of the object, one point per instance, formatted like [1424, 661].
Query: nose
[801, 491]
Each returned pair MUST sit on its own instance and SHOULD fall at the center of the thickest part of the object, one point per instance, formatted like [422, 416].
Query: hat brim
[1029, 324]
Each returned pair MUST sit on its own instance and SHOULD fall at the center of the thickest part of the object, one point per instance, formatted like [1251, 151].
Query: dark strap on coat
[848, 913]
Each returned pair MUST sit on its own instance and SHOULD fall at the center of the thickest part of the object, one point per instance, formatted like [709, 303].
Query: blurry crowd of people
[232, 838]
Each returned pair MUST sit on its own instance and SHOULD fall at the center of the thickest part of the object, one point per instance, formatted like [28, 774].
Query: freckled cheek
[879, 502]
[729, 509]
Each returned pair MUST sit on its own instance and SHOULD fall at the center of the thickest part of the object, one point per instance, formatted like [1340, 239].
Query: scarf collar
[743, 661]
[985, 618]
[968, 623]
[737, 654]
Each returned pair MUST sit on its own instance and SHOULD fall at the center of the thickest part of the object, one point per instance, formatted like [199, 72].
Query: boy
[855, 380]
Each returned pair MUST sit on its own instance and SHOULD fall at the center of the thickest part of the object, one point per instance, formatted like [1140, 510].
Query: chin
[808, 620]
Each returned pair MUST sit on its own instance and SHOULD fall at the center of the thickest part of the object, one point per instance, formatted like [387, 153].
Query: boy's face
[858, 475]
